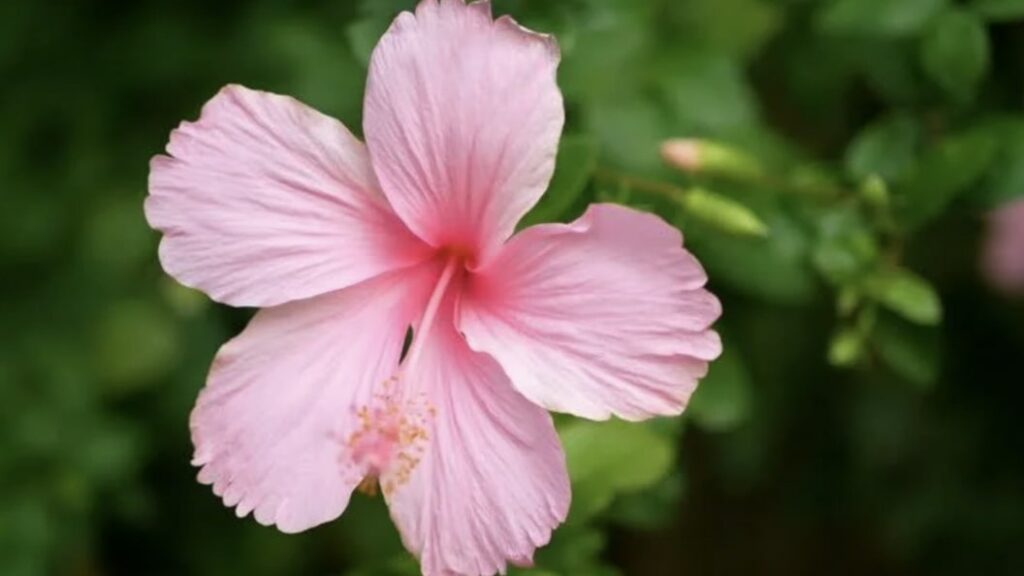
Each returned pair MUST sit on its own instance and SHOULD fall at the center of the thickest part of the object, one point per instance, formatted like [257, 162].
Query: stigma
[390, 439]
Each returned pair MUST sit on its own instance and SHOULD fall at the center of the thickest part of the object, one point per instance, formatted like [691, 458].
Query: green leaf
[651, 509]
[723, 399]
[135, 343]
[911, 351]
[907, 294]
[708, 94]
[999, 10]
[608, 458]
[109, 453]
[385, 8]
[773, 268]
[577, 159]
[878, 17]
[369, 541]
[363, 35]
[891, 67]
[945, 171]
[887, 148]
[30, 227]
[30, 527]
[116, 237]
[181, 299]
[955, 52]
[606, 43]
[575, 548]
[1005, 179]
[630, 132]
[734, 27]
[847, 300]
[321, 69]
[846, 246]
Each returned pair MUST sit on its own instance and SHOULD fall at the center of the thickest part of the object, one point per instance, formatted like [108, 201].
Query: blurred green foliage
[863, 418]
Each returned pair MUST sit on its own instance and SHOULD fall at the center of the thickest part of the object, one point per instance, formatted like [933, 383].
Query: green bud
[723, 213]
[875, 192]
[846, 348]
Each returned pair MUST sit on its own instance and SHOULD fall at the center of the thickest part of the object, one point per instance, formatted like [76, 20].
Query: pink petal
[462, 119]
[607, 315]
[264, 200]
[270, 427]
[492, 484]
[1004, 248]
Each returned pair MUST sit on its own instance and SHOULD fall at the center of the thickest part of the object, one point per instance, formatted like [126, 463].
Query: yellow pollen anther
[390, 439]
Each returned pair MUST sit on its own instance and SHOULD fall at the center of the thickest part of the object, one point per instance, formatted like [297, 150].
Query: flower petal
[462, 119]
[492, 484]
[270, 427]
[607, 315]
[264, 200]
[1003, 261]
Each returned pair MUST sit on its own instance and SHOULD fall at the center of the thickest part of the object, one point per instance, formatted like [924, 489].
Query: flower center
[460, 253]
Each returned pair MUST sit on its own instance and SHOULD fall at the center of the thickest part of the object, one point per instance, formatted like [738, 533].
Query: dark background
[879, 437]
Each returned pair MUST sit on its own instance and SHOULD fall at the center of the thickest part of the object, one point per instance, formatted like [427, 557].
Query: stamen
[390, 440]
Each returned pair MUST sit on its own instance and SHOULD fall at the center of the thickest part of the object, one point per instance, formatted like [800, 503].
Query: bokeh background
[864, 419]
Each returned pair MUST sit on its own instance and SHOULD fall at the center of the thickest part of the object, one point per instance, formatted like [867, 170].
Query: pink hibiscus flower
[1004, 248]
[265, 202]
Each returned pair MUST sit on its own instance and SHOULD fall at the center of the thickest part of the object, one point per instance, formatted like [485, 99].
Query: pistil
[393, 429]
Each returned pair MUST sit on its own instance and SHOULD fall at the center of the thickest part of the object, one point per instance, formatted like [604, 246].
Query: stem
[822, 192]
[819, 192]
[670, 191]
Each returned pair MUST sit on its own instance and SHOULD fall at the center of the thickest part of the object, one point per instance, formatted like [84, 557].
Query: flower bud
[875, 192]
[694, 155]
[723, 213]
[846, 348]
[682, 153]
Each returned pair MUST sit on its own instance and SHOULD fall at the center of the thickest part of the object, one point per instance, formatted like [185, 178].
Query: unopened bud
[704, 156]
[723, 213]
[682, 153]
[846, 348]
[875, 192]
